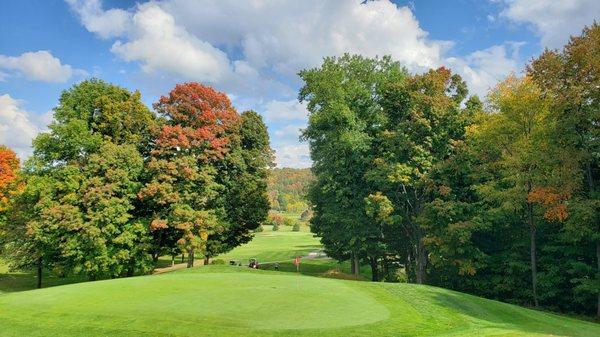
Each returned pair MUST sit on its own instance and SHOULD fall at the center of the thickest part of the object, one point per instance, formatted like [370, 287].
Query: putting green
[252, 300]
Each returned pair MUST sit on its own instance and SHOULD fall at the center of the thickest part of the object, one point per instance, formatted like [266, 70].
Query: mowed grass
[236, 301]
[271, 246]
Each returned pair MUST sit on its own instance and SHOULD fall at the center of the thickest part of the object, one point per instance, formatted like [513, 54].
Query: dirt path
[197, 263]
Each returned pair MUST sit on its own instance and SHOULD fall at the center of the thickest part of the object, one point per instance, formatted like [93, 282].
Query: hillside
[224, 300]
[230, 301]
[287, 188]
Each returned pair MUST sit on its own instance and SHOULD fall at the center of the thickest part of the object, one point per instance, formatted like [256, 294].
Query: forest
[287, 188]
[111, 186]
[496, 197]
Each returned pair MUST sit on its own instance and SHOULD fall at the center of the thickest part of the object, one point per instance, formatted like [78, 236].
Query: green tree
[570, 78]
[77, 207]
[517, 134]
[345, 118]
[243, 173]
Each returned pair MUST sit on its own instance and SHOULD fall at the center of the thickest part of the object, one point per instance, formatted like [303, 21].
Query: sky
[253, 50]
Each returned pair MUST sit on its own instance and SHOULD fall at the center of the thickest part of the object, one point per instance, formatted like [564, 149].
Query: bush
[275, 227]
[296, 227]
[401, 276]
[218, 261]
[274, 218]
[306, 215]
[288, 222]
[259, 229]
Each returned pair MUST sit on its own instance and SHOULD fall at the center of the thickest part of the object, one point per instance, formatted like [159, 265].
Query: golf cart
[253, 263]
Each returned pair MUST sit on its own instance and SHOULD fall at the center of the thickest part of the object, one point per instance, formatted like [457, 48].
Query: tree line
[287, 188]
[112, 186]
[498, 198]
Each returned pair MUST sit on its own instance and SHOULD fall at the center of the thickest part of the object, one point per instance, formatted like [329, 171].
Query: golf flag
[297, 260]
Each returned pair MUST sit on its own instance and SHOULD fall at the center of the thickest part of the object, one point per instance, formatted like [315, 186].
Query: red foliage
[553, 202]
[9, 165]
[200, 120]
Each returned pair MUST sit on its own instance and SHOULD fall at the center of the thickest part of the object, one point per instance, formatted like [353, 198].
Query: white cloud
[293, 156]
[482, 69]
[254, 49]
[276, 111]
[553, 21]
[18, 127]
[38, 66]
[273, 39]
[106, 24]
[290, 131]
[160, 44]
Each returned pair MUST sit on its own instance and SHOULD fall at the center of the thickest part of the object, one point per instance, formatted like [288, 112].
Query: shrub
[296, 227]
[275, 227]
[218, 261]
[259, 229]
[288, 222]
[401, 276]
[306, 215]
[274, 219]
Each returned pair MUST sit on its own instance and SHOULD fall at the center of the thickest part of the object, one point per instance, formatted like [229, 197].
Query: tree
[182, 190]
[517, 135]
[76, 211]
[345, 117]
[9, 169]
[570, 78]
[423, 122]
[243, 174]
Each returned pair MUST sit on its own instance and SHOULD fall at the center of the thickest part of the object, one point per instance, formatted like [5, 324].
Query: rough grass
[230, 301]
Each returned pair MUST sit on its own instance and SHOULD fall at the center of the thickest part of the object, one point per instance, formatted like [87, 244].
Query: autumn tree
[516, 134]
[182, 191]
[570, 79]
[9, 168]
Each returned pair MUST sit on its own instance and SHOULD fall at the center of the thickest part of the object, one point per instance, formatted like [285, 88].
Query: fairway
[281, 245]
[224, 300]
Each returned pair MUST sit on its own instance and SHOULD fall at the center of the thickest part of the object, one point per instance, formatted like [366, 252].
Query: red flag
[297, 260]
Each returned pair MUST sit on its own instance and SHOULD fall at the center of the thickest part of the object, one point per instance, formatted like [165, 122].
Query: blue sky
[253, 50]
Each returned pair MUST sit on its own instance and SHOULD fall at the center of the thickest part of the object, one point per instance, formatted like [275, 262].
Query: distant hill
[287, 188]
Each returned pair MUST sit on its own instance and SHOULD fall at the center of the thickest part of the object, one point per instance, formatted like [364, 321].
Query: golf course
[223, 300]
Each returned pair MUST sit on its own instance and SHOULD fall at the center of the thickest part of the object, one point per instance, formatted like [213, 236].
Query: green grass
[271, 246]
[11, 281]
[233, 301]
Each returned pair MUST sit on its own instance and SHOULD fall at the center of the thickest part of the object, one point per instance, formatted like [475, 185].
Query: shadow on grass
[509, 317]
[21, 281]
[323, 267]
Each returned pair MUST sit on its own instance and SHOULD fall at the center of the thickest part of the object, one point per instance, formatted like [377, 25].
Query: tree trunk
[182, 257]
[172, 260]
[39, 272]
[421, 260]
[590, 180]
[131, 268]
[206, 260]
[374, 269]
[386, 270]
[598, 271]
[407, 265]
[356, 265]
[190, 262]
[532, 231]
